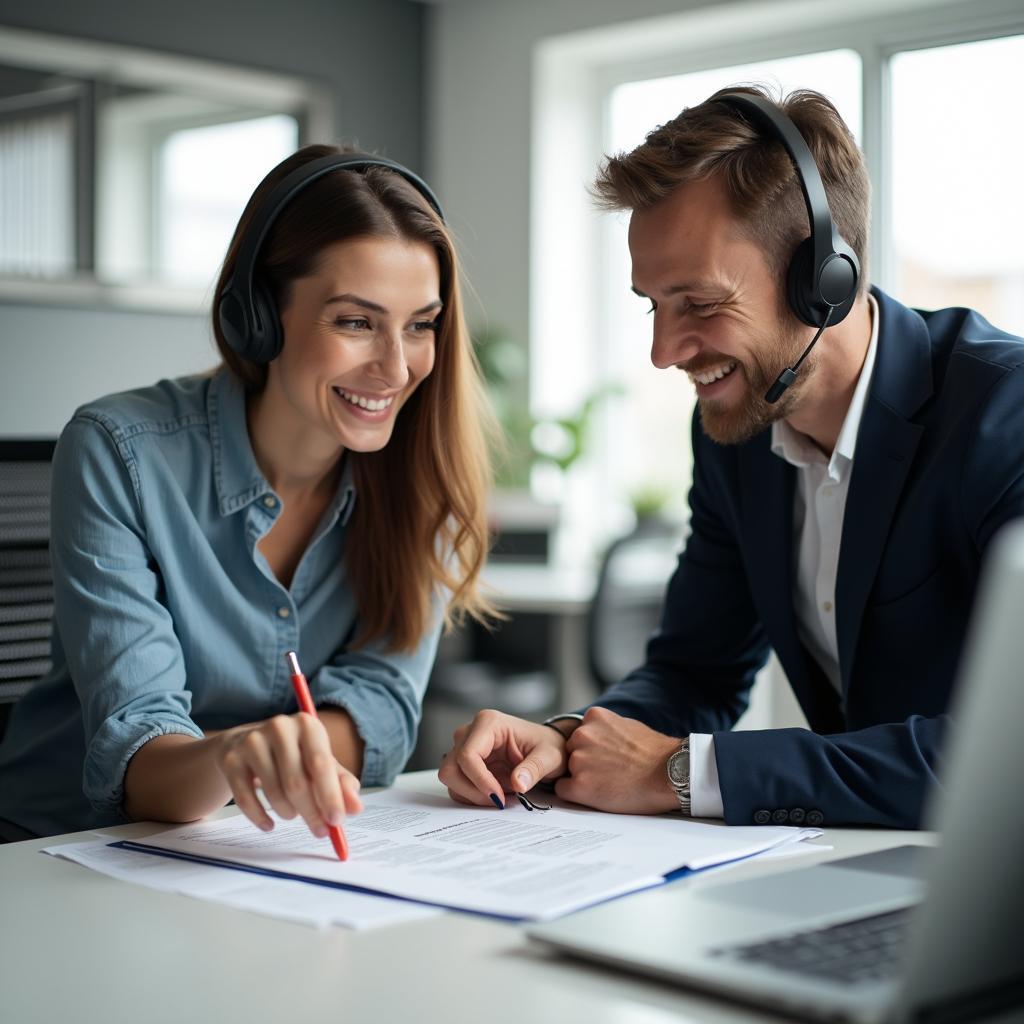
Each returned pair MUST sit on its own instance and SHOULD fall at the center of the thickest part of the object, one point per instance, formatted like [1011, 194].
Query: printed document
[273, 897]
[515, 863]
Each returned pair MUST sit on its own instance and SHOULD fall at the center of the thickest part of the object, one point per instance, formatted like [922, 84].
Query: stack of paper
[287, 899]
[512, 863]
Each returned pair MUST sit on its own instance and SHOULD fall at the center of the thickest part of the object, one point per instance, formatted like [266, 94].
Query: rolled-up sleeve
[383, 692]
[117, 634]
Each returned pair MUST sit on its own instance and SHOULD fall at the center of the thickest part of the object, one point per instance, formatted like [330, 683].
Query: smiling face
[717, 310]
[359, 338]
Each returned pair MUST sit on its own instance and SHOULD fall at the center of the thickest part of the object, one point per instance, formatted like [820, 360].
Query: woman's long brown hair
[419, 524]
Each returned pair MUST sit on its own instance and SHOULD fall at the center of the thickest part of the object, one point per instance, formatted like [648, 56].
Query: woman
[322, 491]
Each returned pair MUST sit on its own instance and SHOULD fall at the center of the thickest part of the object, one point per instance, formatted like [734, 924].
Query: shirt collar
[237, 476]
[798, 450]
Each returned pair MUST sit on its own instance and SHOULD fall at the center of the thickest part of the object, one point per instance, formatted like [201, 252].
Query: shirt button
[283, 612]
[827, 606]
[829, 491]
[270, 501]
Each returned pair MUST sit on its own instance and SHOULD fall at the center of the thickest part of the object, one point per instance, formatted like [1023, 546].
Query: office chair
[627, 602]
[26, 579]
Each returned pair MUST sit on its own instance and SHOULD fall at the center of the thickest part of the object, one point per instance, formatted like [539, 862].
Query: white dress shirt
[819, 504]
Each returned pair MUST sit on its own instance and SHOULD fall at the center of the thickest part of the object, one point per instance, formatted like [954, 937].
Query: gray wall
[367, 54]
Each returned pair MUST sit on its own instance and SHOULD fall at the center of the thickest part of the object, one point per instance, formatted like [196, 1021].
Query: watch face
[679, 768]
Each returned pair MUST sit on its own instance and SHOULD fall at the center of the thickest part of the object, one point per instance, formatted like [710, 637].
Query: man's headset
[246, 310]
[821, 282]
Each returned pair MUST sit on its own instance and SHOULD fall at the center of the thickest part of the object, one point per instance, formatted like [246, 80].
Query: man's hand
[498, 754]
[618, 764]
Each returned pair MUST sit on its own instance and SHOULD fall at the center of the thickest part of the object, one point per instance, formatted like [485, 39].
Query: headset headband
[289, 187]
[824, 272]
[824, 240]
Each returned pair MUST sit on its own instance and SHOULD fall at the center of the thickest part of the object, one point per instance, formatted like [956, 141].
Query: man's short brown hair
[762, 184]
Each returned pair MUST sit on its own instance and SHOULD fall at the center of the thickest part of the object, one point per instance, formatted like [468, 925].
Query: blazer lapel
[886, 443]
[766, 484]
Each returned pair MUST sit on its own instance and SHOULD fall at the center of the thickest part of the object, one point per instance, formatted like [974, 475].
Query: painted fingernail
[496, 800]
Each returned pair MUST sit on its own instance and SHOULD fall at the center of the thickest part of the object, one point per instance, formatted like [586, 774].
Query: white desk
[76, 946]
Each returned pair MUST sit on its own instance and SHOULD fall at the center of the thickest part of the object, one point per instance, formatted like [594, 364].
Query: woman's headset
[246, 311]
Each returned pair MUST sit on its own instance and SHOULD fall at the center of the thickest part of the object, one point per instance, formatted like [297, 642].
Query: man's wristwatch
[679, 775]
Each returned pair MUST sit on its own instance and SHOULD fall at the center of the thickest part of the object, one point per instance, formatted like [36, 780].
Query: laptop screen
[968, 936]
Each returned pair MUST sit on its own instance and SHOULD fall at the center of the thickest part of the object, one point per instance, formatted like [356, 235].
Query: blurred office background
[131, 135]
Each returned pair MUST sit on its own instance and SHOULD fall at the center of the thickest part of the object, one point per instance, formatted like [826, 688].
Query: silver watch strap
[681, 784]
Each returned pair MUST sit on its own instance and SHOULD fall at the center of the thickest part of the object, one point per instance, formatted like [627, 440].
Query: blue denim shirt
[168, 619]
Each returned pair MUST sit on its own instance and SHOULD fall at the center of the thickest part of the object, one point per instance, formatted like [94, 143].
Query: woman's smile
[363, 407]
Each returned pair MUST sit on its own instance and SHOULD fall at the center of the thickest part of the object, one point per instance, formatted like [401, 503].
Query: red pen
[306, 704]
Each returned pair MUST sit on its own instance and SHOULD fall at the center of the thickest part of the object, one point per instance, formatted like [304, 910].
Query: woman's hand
[497, 754]
[289, 757]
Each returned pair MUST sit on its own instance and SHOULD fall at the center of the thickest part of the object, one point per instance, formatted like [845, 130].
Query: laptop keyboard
[867, 949]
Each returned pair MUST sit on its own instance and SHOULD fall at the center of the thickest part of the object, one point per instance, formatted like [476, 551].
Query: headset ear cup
[800, 288]
[265, 335]
[837, 284]
[838, 279]
[233, 324]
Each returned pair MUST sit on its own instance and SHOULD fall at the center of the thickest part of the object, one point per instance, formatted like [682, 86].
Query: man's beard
[737, 422]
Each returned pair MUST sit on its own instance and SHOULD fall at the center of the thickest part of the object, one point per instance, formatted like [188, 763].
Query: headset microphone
[788, 375]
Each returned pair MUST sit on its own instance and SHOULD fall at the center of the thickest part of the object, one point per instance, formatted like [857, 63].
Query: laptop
[903, 934]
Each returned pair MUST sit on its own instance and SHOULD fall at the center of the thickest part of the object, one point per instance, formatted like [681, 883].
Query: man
[843, 525]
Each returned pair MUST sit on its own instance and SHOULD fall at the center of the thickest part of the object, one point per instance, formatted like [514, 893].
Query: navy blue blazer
[939, 467]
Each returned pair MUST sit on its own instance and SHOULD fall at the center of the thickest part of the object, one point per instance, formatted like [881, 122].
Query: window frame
[97, 68]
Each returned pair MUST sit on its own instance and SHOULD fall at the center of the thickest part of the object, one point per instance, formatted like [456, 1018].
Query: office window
[658, 404]
[957, 153]
[40, 130]
[204, 177]
[123, 172]
[37, 216]
[174, 173]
